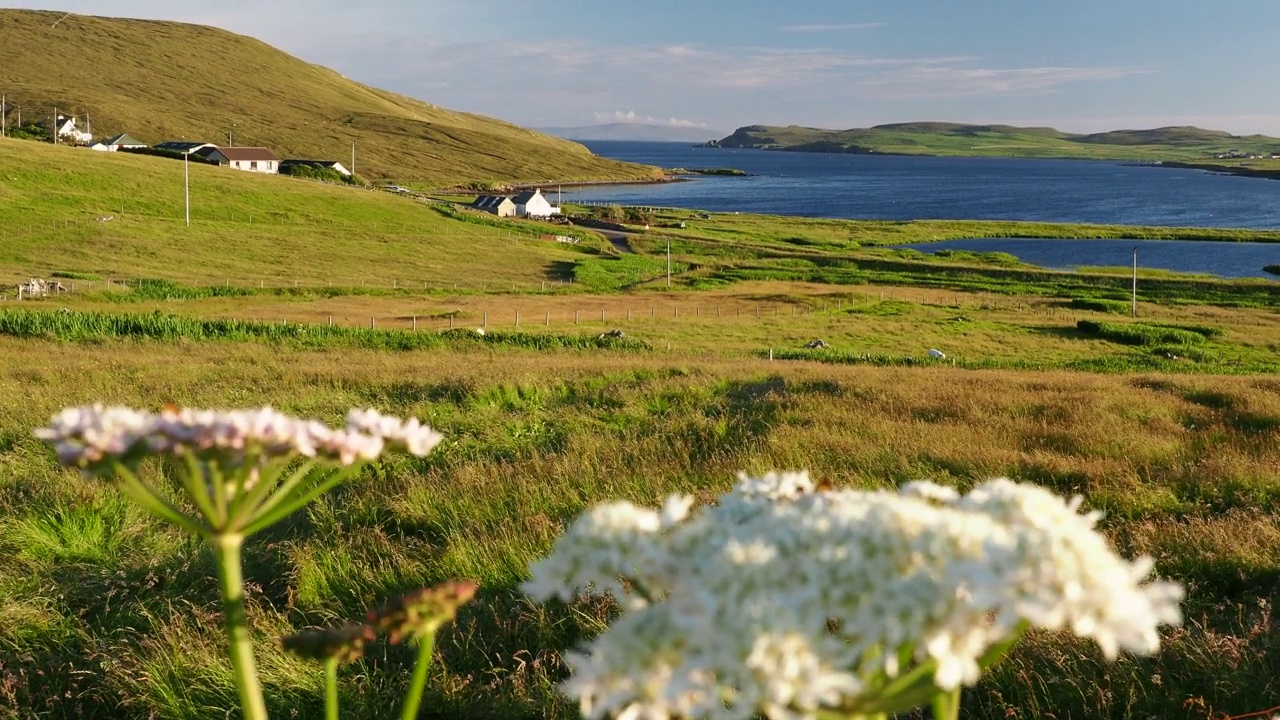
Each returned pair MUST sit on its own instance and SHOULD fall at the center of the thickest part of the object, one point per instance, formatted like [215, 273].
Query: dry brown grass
[1187, 468]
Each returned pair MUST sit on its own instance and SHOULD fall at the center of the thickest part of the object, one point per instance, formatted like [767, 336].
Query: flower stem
[331, 689]
[418, 682]
[231, 581]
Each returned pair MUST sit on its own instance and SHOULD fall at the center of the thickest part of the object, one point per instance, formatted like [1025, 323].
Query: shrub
[1102, 305]
[72, 275]
[1150, 334]
[619, 273]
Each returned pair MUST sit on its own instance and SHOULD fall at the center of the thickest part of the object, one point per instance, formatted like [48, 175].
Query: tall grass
[77, 326]
[107, 614]
[1149, 333]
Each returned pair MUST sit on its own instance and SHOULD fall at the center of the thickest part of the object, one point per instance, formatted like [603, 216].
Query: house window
[253, 164]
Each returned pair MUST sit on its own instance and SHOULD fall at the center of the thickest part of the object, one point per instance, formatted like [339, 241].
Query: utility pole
[353, 159]
[186, 182]
[55, 125]
[1135, 281]
[668, 262]
[2, 115]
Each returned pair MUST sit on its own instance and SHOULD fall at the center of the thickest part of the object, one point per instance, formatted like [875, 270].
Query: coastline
[1225, 169]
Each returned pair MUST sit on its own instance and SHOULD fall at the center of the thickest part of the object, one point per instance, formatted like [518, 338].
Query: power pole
[1135, 281]
[2, 115]
[55, 124]
[186, 182]
[353, 159]
[668, 262]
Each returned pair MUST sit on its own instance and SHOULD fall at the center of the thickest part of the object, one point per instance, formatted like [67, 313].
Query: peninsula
[1168, 144]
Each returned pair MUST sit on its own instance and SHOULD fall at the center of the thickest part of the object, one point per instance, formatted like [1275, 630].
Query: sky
[1077, 65]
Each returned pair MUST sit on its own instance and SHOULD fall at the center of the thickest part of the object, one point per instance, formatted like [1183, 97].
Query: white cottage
[532, 203]
[252, 159]
[123, 141]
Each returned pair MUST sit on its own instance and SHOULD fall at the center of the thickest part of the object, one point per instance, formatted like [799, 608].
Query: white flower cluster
[91, 435]
[781, 600]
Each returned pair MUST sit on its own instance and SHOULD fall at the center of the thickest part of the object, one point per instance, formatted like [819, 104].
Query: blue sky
[1078, 65]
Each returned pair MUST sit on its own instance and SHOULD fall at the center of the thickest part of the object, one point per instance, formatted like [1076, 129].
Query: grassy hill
[941, 138]
[246, 229]
[167, 81]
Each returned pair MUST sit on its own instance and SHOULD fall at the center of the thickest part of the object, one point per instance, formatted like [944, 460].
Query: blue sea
[896, 187]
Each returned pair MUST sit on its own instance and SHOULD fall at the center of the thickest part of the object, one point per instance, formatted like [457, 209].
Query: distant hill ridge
[160, 80]
[945, 138]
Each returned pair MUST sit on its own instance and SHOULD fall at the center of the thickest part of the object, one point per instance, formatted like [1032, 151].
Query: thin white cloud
[631, 117]
[833, 27]
[942, 81]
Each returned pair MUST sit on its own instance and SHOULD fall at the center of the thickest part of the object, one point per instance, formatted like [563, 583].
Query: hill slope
[246, 229]
[940, 138]
[167, 81]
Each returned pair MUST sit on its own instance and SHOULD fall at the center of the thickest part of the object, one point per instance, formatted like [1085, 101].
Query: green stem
[418, 682]
[946, 706]
[331, 689]
[231, 581]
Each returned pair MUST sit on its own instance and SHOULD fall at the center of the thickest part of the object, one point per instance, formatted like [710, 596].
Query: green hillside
[123, 215]
[941, 138]
[169, 81]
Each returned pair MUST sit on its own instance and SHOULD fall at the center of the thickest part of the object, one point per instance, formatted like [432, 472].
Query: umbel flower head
[344, 643]
[94, 437]
[422, 612]
[782, 601]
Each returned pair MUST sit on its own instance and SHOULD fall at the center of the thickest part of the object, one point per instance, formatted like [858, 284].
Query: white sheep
[479, 331]
[937, 354]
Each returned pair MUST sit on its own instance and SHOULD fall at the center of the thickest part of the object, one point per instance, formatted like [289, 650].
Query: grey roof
[240, 153]
[123, 139]
[181, 146]
[524, 197]
[487, 202]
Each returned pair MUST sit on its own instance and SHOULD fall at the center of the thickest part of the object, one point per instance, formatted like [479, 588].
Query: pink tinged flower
[87, 435]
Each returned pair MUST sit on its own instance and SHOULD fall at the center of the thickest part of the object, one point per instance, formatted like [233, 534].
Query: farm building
[532, 203]
[500, 205]
[316, 164]
[182, 147]
[250, 159]
[117, 142]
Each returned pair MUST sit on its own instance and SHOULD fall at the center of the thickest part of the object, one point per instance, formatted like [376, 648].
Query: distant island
[633, 131]
[1177, 144]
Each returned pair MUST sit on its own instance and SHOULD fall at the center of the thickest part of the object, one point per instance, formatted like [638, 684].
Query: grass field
[107, 613]
[161, 90]
[1168, 422]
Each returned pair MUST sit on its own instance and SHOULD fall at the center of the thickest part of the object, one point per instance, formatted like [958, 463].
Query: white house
[65, 128]
[251, 159]
[117, 142]
[531, 203]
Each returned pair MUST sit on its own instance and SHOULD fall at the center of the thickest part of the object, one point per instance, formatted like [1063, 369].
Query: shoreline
[1224, 169]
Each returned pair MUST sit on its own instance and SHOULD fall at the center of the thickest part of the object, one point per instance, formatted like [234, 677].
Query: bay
[898, 187]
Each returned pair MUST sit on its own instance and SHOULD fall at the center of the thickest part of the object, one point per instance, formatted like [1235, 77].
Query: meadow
[1168, 422]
